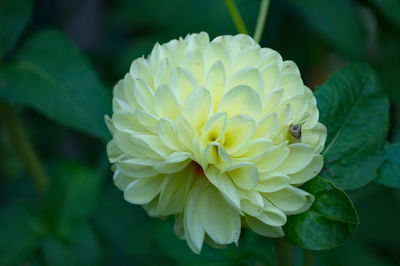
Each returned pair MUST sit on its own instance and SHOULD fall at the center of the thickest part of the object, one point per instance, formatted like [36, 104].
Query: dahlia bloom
[219, 134]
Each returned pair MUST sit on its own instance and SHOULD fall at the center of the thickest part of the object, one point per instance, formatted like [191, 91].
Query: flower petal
[248, 76]
[185, 132]
[262, 228]
[215, 83]
[165, 102]
[315, 137]
[291, 200]
[244, 175]
[194, 61]
[215, 52]
[174, 192]
[166, 131]
[220, 220]
[272, 182]
[241, 100]
[239, 130]
[182, 83]
[225, 185]
[137, 167]
[197, 108]
[142, 191]
[300, 155]
[174, 163]
[267, 126]
[122, 181]
[270, 74]
[214, 128]
[192, 225]
[255, 149]
[310, 171]
[274, 158]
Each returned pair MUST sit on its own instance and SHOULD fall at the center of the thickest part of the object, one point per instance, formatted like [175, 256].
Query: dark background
[83, 219]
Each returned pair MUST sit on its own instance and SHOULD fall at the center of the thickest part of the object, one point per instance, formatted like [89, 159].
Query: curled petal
[291, 200]
[142, 191]
[310, 171]
[263, 229]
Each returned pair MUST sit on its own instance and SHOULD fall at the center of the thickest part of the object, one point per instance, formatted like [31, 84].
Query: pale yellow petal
[272, 182]
[263, 229]
[137, 167]
[194, 61]
[238, 132]
[254, 150]
[121, 181]
[175, 189]
[220, 220]
[185, 132]
[274, 158]
[162, 76]
[241, 100]
[244, 175]
[248, 76]
[315, 137]
[225, 185]
[291, 200]
[165, 102]
[174, 163]
[192, 225]
[310, 171]
[267, 126]
[182, 83]
[142, 191]
[197, 108]
[215, 52]
[215, 83]
[270, 74]
[167, 132]
[300, 155]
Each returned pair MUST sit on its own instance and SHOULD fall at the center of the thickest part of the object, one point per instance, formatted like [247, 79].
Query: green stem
[235, 15]
[23, 147]
[262, 16]
[285, 253]
[308, 261]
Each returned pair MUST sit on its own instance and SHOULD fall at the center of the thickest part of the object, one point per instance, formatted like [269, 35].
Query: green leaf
[336, 21]
[389, 8]
[52, 76]
[329, 222]
[56, 252]
[126, 228]
[19, 232]
[14, 15]
[389, 173]
[83, 249]
[73, 194]
[355, 111]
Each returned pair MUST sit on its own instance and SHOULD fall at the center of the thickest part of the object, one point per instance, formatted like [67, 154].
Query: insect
[295, 130]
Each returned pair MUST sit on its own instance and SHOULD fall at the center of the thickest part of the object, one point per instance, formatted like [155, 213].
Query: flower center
[197, 169]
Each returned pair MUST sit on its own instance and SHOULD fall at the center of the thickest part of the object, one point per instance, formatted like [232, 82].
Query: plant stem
[235, 15]
[262, 16]
[285, 253]
[23, 147]
[307, 261]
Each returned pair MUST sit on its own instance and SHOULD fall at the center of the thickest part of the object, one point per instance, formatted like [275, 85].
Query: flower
[219, 134]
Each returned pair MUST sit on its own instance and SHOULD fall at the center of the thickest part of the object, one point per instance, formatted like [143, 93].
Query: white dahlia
[218, 134]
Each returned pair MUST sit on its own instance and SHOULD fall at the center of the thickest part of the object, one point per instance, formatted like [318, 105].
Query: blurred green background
[76, 50]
